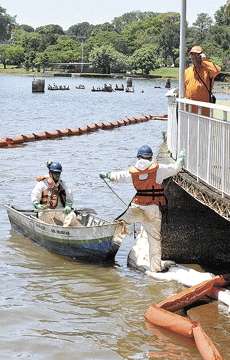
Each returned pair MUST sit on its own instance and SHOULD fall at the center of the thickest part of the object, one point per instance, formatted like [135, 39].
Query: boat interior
[81, 219]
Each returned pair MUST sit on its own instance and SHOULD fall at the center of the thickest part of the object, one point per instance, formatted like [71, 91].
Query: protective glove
[104, 175]
[39, 206]
[67, 209]
[181, 158]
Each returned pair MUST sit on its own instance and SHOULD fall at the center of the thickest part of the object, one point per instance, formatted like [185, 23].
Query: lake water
[55, 308]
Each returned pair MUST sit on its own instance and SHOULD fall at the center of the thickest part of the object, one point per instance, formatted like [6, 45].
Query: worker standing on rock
[145, 208]
[51, 193]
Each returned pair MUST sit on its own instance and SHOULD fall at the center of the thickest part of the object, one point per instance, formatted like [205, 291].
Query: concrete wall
[194, 233]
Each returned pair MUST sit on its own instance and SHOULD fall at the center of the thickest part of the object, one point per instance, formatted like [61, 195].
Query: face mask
[55, 176]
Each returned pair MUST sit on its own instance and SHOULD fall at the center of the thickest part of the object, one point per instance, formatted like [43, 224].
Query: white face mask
[143, 164]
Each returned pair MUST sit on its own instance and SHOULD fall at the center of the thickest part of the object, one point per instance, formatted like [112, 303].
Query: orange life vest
[149, 192]
[51, 194]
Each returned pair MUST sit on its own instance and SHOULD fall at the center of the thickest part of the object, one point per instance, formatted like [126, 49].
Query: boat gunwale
[38, 221]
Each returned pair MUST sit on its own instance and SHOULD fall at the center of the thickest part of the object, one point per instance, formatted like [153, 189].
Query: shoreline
[84, 75]
[49, 74]
[163, 73]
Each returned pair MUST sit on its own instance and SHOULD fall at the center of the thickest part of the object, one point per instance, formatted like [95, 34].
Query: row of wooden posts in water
[105, 88]
[48, 135]
[38, 85]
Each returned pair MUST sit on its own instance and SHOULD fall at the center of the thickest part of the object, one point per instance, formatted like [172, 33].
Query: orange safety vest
[51, 194]
[149, 192]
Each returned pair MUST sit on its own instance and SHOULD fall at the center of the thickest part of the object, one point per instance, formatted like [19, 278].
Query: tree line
[136, 41]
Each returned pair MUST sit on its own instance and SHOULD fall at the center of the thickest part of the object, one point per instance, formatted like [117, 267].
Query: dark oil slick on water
[54, 308]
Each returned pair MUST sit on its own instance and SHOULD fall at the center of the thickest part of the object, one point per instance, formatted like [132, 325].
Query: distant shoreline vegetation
[164, 73]
[142, 43]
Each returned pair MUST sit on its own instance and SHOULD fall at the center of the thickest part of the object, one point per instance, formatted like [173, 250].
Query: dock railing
[205, 139]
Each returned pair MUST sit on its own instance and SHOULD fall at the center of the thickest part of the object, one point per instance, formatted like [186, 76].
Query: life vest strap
[150, 192]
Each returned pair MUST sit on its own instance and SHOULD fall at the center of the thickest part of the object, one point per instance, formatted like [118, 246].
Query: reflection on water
[55, 308]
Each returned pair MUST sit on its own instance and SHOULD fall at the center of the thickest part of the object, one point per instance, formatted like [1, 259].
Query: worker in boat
[145, 207]
[51, 192]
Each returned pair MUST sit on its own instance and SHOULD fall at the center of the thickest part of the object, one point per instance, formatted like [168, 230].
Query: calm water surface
[54, 308]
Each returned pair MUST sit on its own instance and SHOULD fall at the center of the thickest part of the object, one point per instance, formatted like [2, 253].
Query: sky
[70, 12]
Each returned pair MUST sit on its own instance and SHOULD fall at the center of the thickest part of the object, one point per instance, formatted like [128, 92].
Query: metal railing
[203, 131]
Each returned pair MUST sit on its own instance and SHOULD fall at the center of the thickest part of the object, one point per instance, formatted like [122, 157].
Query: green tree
[102, 27]
[106, 59]
[7, 22]
[15, 55]
[214, 52]
[202, 26]
[34, 41]
[65, 50]
[227, 8]
[81, 30]
[50, 29]
[134, 35]
[220, 35]
[169, 39]
[112, 38]
[145, 59]
[31, 41]
[62, 56]
[220, 32]
[49, 35]
[29, 61]
[66, 43]
[41, 60]
[226, 60]
[146, 31]
[11, 55]
[3, 55]
[25, 27]
[222, 16]
[120, 22]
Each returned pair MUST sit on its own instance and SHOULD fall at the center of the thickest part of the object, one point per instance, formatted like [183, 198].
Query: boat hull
[90, 243]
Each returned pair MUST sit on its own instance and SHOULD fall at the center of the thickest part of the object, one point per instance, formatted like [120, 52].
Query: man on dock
[51, 193]
[199, 79]
[145, 207]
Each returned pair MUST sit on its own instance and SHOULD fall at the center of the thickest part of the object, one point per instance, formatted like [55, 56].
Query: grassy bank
[15, 70]
[218, 113]
[223, 102]
[166, 72]
[158, 73]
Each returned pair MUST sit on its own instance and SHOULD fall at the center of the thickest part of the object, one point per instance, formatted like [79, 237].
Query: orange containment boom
[191, 295]
[184, 326]
[204, 344]
[170, 321]
[49, 135]
[162, 314]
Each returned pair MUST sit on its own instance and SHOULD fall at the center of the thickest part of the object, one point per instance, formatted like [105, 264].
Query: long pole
[82, 55]
[182, 47]
[114, 192]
